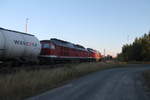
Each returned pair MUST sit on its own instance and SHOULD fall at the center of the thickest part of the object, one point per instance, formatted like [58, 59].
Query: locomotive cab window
[45, 45]
[48, 46]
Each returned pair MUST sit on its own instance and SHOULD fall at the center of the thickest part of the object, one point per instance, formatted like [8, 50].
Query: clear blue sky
[97, 24]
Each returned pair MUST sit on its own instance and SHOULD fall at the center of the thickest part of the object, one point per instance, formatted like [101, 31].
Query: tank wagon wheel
[9, 64]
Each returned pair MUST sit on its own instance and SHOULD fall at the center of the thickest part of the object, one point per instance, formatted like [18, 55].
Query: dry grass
[23, 84]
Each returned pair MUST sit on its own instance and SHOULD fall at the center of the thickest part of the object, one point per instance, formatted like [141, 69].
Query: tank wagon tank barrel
[18, 46]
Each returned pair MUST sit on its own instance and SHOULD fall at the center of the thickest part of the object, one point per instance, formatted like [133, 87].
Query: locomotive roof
[62, 43]
[66, 44]
[79, 46]
[54, 39]
[16, 31]
[45, 41]
[91, 50]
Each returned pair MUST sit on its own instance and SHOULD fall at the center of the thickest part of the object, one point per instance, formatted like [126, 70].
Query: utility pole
[104, 55]
[26, 25]
[104, 52]
[127, 39]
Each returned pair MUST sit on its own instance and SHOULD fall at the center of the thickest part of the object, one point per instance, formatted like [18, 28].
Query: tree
[139, 50]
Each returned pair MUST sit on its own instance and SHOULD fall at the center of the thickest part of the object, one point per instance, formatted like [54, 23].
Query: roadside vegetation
[138, 51]
[23, 84]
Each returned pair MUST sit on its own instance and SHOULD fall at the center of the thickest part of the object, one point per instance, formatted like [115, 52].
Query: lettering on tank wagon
[19, 42]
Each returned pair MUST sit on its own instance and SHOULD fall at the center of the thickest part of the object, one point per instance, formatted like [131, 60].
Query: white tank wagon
[18, 46]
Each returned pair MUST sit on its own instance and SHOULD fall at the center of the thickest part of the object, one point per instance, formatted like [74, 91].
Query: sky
[98, 24]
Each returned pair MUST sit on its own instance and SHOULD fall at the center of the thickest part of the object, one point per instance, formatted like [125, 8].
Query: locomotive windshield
[48, 46]
[45, 46]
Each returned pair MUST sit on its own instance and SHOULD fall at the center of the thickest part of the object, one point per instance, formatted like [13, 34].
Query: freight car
[56, 50]
[18, 47]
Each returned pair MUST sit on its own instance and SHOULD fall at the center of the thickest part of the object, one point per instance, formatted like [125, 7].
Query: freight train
[18, 47]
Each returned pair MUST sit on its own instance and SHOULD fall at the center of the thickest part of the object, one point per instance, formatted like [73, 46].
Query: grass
[23, 84]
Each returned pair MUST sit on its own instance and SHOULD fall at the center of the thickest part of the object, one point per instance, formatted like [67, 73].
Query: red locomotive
[55, 50]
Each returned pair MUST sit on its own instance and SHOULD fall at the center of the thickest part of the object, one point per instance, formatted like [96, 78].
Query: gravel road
[111, 84]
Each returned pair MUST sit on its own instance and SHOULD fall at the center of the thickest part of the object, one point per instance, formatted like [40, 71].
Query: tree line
[139, 50]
